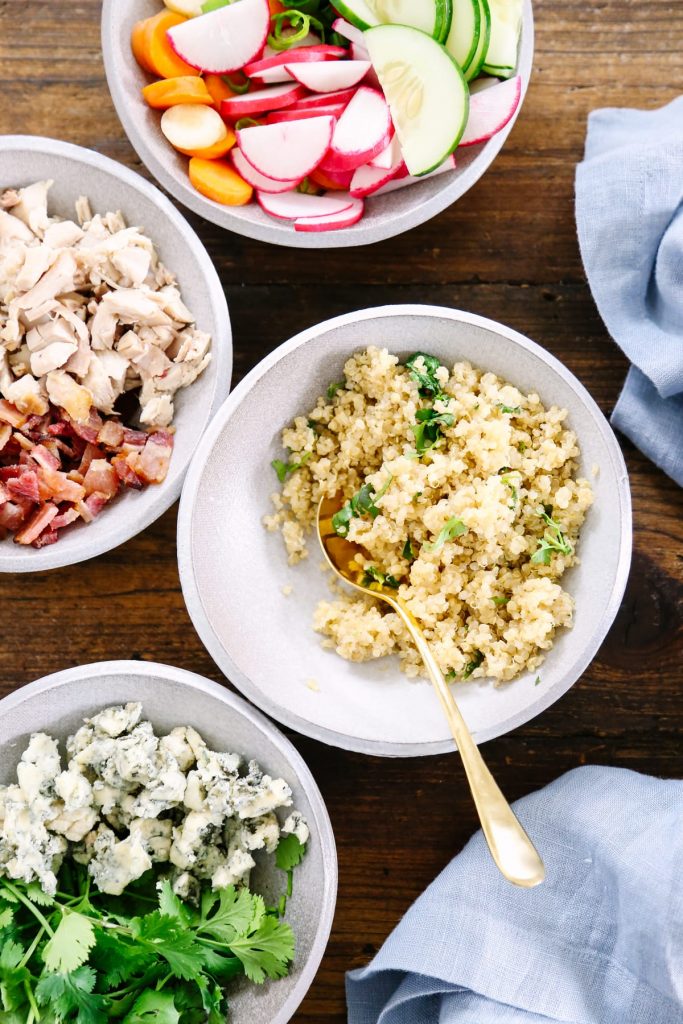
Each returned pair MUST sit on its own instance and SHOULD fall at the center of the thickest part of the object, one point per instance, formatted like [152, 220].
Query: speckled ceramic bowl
[170, 697]
[233, 570]
[110, 186]
[385, 216]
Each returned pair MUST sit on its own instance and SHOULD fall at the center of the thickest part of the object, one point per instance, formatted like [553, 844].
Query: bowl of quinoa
[481, 482]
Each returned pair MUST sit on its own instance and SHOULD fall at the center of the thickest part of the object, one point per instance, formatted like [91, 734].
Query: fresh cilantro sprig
[363, 503]
[553, 540]
[373, 575]
[86, 958]
[422, 369]
[453, 528]
[427, 430]
[284, 469]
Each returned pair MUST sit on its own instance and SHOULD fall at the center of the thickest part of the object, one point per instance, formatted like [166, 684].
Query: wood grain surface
[507, 250]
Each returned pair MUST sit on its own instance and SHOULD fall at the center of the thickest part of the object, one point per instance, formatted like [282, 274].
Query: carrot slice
[156, 53]
[217, 180]
[171, 91]
[138, 45]
[216, 151]
[320, 178]
[219, 89]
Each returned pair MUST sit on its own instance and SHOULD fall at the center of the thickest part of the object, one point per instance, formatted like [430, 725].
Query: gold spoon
[510, 846]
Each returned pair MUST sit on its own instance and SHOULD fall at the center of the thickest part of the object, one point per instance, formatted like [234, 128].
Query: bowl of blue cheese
[175, 842]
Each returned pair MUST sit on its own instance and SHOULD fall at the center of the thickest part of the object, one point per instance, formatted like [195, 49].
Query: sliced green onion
[237, 85]
[295, 20]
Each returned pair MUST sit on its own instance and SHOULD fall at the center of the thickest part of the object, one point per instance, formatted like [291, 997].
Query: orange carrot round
[154, 51]
[138, 46]
[169, 92]
[217, 180]
[216, 151]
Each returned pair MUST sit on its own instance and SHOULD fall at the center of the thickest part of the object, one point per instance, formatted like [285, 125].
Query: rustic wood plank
[507, 250]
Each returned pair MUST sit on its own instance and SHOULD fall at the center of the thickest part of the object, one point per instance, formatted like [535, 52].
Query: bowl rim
[118, 533]
[273, 232]
[192, 594]
[305, 778]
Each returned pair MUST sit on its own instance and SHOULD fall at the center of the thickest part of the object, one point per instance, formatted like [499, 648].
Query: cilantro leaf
[373, 575]
[12, 976]
[290, 852]
[233, 916]
[475, 662]
[118, 960]
[425, 374]
[265, 952]
[6, 917]
[71, 943]
[363, 502]
[171, 941]
[500, 602]
[37, 896]
[552, 540]
[427, 430]
[408, 551]
[511, 410]
[67, 993]
[453, 528]
[153, 1008]
[284, 469]
[221, 967]
[170, 905]
[334, 388]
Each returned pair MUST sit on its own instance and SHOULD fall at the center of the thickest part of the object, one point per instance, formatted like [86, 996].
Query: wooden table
[507, 250]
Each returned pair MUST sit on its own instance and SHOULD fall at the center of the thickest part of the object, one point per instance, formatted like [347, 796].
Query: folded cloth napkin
[599, 942]
[629, 214]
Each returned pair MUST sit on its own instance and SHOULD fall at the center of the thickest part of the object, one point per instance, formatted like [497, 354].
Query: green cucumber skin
[475, 40]
[478, 61]
[352, 17]
[491, 69]
[445, 16]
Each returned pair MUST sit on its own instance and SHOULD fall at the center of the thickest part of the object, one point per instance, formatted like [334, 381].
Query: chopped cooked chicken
[87, 315]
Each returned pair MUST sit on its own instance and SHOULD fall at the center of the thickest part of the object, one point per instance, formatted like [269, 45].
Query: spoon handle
[510, 846]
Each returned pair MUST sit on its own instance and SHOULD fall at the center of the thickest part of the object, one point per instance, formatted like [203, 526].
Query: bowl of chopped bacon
[115, 351]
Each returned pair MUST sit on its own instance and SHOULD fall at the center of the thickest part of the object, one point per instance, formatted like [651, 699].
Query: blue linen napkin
[599, 942]
[629, 214]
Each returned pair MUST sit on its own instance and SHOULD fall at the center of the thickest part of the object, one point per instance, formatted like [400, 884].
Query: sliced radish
[329, 76]
[401, 181]
[289, 149]
[322, 99]
[367, 180]
[273, 76]
[295, 205]
[255, 178]
[332, 179]
[362, 132]
[272, 98]
[332, 222]
[296, 114]
[294, 56]
[349, 31]
[490, 110]
[359, 51]
[188, 126]
[390, 156]
[223, 40]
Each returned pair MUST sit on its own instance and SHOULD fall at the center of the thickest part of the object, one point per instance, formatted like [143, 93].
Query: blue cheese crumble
[128, 799]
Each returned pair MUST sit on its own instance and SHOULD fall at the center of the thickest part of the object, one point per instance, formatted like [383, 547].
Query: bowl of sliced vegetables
[166, 853]
[317, 126]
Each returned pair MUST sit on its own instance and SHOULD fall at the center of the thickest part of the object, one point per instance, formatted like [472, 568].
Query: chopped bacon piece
[70, 515]
[7, 472]
[153, 462]
[25, 485]
[38, 522]
[88, 431]
[101, 478]
[45, 458]
[4, 494]
[125, 473]
[11, 516]
[60, 429]
[138, 438]
[111, 434]
[60, 487]
[5, 435]
[24, 442]
[163, 437]
[47, 537]
[10, 414]
[95, 502]
[91, 452]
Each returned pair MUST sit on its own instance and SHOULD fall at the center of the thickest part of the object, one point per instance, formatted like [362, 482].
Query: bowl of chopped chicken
[115, 350]
[168, 832]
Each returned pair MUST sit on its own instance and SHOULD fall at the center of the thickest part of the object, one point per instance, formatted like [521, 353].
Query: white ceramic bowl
[233, 570]
[170, 697]
[110, 186]
[385, 216]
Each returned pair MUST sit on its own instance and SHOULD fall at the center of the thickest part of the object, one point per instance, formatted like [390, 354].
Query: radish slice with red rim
[255, 178]
[362, 132]
[288, 149]
[367, 179]
[403, 180]
[322, 99]
[271, 98]
[295, 205]
[296, 114]
[390, 156]
[294, 56]
[490, 110]
[329, 76]
[348, 31]
[223, 40]
[332, 222]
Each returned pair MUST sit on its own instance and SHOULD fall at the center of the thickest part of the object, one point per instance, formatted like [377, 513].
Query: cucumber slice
[506, 25]
[477, 62]
[430, 16]
[463, 37]
[489, 69]
[425, 90]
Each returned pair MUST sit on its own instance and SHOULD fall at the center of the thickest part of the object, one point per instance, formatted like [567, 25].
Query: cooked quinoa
[470, 508]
